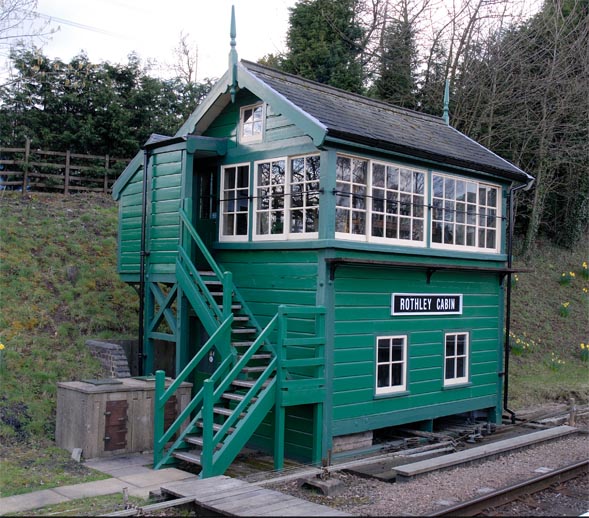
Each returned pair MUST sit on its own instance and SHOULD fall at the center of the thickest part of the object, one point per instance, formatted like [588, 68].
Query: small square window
[251, 123]
[391, 364]
[456, 359]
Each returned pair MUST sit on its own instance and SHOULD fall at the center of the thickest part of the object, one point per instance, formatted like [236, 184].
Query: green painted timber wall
[164, 221]
[129, 238]
[362, 312]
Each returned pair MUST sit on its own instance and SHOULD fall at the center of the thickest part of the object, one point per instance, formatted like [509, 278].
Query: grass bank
[58, 288]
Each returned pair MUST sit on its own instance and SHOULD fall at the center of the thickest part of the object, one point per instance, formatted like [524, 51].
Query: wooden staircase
[253, 373]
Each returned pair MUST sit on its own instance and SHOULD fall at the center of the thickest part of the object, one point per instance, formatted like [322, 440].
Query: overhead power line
[82, 26]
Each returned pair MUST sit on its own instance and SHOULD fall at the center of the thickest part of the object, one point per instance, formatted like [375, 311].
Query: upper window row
[375, 201]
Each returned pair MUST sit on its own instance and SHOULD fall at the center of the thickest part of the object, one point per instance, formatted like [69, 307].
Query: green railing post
[279, 410]
[207, 429]
[158, 417]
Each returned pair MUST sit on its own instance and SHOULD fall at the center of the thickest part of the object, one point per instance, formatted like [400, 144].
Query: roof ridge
[359, 97]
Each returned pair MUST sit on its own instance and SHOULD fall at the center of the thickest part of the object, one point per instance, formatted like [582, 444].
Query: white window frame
[257, 199]
[480, 215]
[350, 236]
[424, 218]
[223, 201]
[457, 380]
[391, 389]
[305, 183]
[254, 137]
[287, 208]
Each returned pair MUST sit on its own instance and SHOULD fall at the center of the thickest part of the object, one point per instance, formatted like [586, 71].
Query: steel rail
[510, 493]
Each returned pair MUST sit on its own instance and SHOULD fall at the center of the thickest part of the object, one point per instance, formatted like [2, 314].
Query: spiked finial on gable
[233, 56]
[446, 115]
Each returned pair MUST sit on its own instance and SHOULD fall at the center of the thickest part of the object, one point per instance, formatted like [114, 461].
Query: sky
[109, 30]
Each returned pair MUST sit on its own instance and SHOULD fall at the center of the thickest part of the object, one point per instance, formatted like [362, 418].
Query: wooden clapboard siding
[164, 225]
[362, 311]
[130, 210]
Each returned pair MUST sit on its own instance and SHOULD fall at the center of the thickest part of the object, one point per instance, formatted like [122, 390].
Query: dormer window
[252, 123]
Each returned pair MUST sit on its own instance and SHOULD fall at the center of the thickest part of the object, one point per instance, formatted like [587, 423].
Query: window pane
[438, 186]
[405, 183]
[360, 169]
[358, 222]
[405, 228]
[383, 376]
[417, 230]
[397, 375]
[460, 345]
[418, 183]
[449, 188]
[296, 221]
[397, 352]
[384, 351]
[460, 191]
[298, 169]
[313, 168]
[392, 178]
[241, 224]
[392, 227]
[450, 373]
[342, 220]
[228, 225]
[343, 168]
[378, 174]
[377, 225]
[460, 368]
[312, 220]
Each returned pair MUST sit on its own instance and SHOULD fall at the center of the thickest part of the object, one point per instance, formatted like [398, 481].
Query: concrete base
[354, 441]
[329, 487]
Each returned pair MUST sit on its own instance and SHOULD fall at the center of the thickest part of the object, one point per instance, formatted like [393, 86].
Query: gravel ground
[428, 493]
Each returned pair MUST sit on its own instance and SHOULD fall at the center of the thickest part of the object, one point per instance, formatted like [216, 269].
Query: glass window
[456, 358]
[351, 187]
[391, 364]
[287, 200]
[304, 194]
[234, 202]
[464, 214]
[252, 122]
[398, 197]
[270, 199]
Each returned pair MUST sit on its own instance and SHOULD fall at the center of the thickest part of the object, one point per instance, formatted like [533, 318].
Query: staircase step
[241, 344]
[226, 411]
[244, 330]
[254, 369]
[188, 457]
[241, 319]
[236, 397]
[261, 357]
[234, 307]
[247, 383]
[216, 427]
[197, 441]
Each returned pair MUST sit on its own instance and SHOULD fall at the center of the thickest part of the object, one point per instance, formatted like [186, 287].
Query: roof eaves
[425, 156]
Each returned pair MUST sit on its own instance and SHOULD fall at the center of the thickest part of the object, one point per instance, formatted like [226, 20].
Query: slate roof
[362, 120]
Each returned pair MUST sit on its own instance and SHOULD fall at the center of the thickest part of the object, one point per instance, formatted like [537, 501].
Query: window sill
[391, 394]
[458, 385]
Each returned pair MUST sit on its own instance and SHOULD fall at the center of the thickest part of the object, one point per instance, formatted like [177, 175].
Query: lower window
[391, 364]
[456, 359]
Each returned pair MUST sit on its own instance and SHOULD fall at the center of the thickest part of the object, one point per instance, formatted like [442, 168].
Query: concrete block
[329, 487]
[20, 503]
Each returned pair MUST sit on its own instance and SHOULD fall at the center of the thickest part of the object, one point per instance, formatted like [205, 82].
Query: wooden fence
[29, 169]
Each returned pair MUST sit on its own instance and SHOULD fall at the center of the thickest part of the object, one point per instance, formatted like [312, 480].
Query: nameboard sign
[425, 304]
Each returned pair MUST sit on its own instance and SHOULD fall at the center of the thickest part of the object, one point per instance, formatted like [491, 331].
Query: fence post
[25, 179]
[106, 164]
[66, 186]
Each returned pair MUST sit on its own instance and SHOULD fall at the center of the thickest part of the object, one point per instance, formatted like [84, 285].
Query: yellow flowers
[554, 362]
[564, 309]
[1, 347]
[584, 352]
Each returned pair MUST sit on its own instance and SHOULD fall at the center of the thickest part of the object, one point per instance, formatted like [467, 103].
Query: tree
[323, 43]
[396, 81]
[91, 108]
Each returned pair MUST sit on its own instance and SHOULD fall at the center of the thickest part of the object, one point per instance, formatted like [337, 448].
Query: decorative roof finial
[446, 115]
[233, 56]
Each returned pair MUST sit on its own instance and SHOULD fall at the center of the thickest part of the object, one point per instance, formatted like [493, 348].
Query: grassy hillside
[550, 326]
[59, 287]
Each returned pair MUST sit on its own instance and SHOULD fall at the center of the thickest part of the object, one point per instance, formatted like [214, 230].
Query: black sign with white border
[425, 304]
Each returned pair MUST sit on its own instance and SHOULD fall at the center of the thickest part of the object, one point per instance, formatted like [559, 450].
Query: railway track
[484, 505]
